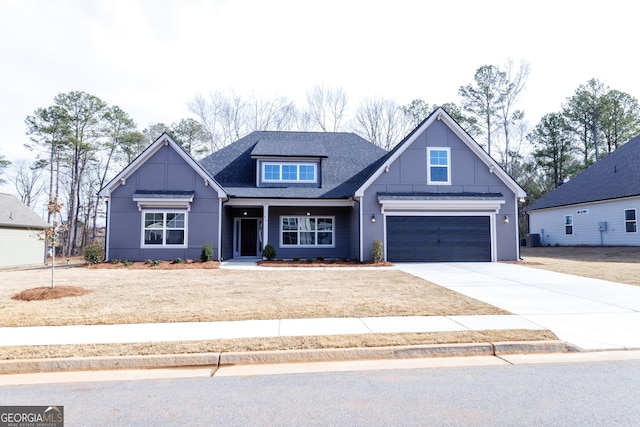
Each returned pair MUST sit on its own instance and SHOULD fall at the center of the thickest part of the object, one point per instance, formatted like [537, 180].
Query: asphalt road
[554, 394]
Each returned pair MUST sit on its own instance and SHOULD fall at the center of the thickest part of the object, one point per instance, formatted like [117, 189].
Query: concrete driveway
[588, 313]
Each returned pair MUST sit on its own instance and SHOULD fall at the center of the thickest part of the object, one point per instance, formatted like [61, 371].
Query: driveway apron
[588, 313]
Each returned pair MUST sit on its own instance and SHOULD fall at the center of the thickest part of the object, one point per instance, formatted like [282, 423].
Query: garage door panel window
[439, 166]
[164, 229]
[307, 231]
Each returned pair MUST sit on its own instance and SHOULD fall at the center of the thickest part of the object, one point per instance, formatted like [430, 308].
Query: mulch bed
[157, 265]
[44, 293]
[320, 263]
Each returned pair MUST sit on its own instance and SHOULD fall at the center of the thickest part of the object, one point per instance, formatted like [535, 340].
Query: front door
[246, 242]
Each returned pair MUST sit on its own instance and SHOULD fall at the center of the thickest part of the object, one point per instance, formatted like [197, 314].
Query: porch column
[265, 225]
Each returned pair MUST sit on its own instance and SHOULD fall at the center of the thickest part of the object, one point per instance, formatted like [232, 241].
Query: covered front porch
[295, 228]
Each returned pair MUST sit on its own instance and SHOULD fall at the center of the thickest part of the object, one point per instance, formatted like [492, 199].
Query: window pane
[630, 226]
[438, 174]
[272, 172]
[152, 237]
[289, 238]
[568, 229]
[307, 224]
[307, 172]
[325, 224]
[175, 237]
[175, 220]
[307, 238]
[630, 214]
[289, 223]
[568, 220]
[325, 238]
[438, 157]
[153, 220]
[290, 172]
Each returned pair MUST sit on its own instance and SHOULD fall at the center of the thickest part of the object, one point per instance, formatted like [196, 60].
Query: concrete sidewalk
[588, 313]
[203, 331]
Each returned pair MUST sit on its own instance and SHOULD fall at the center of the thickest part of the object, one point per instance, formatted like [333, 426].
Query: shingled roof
[346, 159]
[615, 176]
[15, 214]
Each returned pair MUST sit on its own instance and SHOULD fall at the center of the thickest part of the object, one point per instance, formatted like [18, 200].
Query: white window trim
[164, 245]
[635, 221]
[567, 224]
[429, 150]
[297, 164]
[333, 232]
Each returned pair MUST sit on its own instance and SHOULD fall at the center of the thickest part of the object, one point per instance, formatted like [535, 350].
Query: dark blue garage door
[438, 238]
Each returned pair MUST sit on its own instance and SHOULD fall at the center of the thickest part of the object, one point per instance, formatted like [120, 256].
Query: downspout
[220, 219]
[360, 227]
[108, 230]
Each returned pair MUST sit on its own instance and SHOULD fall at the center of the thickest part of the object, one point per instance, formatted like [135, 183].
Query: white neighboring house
[21, 234]
[599, 207]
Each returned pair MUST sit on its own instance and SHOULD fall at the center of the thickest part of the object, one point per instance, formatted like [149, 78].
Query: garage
[438, 238]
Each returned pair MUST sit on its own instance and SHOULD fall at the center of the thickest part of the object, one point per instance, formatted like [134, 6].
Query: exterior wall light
[505, 219]
[373, 217]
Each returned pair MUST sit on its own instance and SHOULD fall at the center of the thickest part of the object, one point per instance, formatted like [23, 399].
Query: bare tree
[209, 112]
[381, 121]
[513, 83]
[327, 107]
[27, 181]
[484, 97]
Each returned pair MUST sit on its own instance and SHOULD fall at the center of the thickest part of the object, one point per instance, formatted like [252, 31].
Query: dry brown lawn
[194, 295]
[145, 294]
[617, 264]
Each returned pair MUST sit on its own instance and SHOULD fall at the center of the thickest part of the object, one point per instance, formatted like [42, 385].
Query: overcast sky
[151, 57]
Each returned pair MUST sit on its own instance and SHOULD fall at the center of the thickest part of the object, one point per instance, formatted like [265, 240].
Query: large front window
[306, 231]
[438, 166]
[289, 172]
[164, 228]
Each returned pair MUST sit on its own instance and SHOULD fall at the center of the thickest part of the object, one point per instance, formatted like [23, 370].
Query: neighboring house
[438, 196]
[599, 206]
[21, 234]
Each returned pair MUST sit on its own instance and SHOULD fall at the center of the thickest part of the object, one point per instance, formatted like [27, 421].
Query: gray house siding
[469, 174]
[166, 170]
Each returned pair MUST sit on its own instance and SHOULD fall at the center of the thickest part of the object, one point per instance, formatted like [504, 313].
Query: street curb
[215, 360]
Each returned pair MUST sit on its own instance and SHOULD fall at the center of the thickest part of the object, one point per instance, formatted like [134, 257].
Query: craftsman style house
[437, 196]
[597, 207]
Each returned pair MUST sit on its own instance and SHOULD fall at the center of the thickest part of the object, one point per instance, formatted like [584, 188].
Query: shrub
[377, 254]
[309, 260]
[93, 253]
[127, 263]
[178, 261]
[296, 258]
[269, 252]
[207, 253]
[148, 262]
[115, 261]
[320, 258]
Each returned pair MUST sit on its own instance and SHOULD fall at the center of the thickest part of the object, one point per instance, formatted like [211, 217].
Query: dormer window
[289, 172]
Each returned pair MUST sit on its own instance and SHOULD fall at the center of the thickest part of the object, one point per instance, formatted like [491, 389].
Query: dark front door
[438, 238]
[248, 237]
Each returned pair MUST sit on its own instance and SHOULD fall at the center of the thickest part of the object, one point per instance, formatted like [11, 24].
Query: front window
[289, 172]
[164, 228]
[438, 166]
[630, 220]
[306, 231]
[568, 224]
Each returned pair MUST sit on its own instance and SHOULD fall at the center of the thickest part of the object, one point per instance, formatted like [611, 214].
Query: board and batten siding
[549, 223]
[21, 247]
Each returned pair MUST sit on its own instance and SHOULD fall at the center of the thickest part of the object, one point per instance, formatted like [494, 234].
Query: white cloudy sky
[152, 56]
